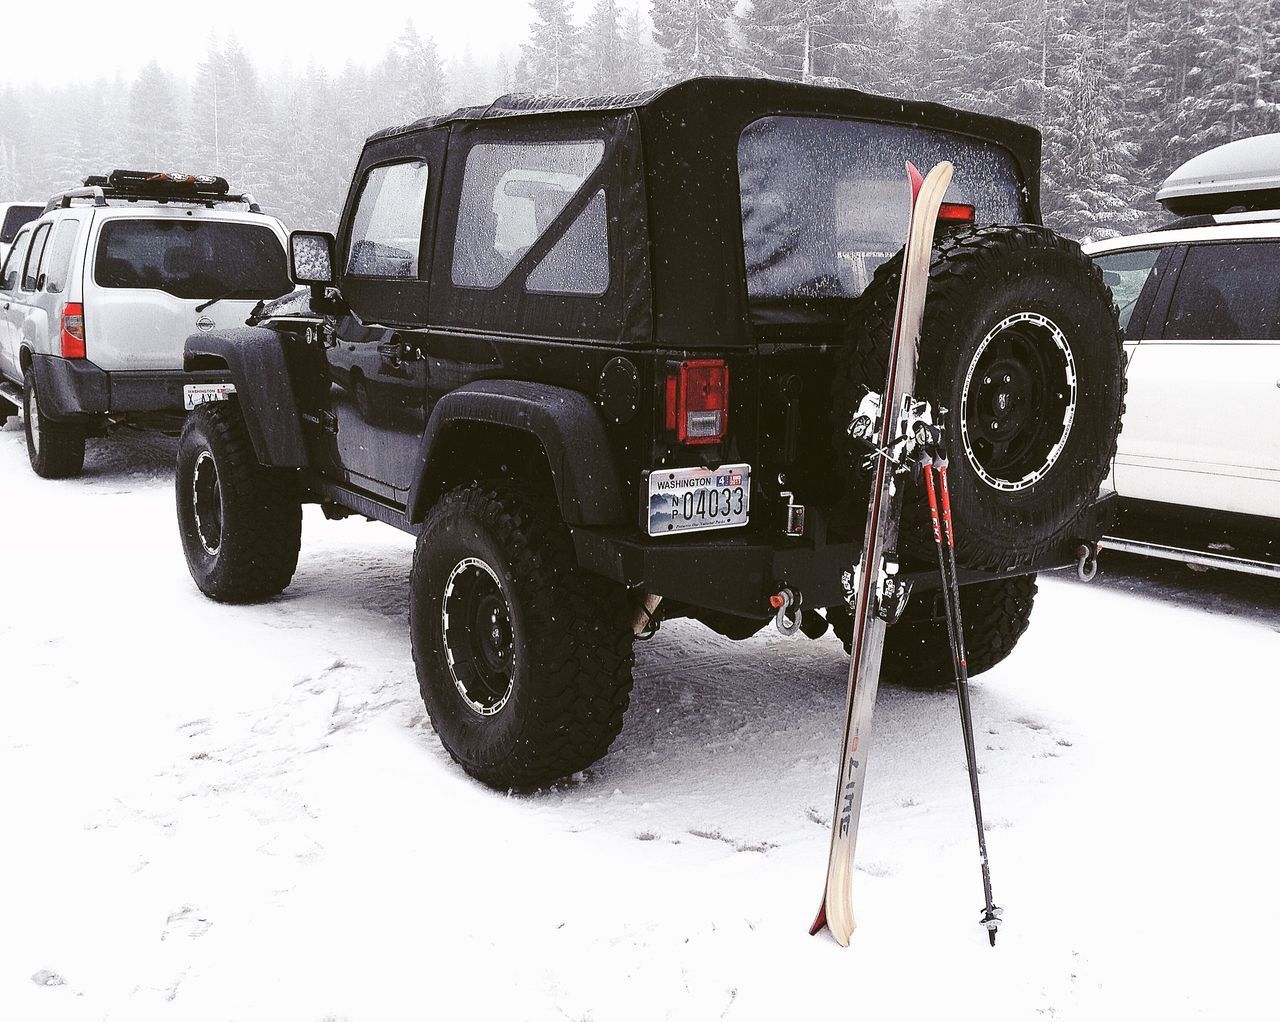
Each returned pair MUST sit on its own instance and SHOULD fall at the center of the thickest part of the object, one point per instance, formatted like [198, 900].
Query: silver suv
[98, 296]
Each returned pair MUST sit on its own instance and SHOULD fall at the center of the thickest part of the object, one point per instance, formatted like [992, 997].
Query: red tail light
[73, 330]
[957, 213]
[698, 401]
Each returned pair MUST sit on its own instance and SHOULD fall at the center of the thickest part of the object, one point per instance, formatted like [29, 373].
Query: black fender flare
[567, 426]
[255, 359]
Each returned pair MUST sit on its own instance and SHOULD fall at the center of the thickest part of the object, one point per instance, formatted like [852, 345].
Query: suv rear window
[824, 200]
[15, 219]
[192, 258]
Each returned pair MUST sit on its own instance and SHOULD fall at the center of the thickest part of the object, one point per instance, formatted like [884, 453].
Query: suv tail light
[698, 401]
[73, 330]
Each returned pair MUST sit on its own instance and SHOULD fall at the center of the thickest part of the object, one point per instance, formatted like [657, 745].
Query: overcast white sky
[96, 39]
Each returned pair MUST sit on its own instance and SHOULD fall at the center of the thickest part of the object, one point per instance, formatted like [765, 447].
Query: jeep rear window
[192, 258]
[824, 201]
[15, 219]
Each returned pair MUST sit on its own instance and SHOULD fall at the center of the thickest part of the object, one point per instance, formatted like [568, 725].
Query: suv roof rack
[152, 186]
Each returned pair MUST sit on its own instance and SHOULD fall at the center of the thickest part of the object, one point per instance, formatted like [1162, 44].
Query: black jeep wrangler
[601, 357]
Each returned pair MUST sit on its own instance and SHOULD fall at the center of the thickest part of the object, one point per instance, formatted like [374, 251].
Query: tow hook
[787, 604]
[1087, 562]
[646, 622]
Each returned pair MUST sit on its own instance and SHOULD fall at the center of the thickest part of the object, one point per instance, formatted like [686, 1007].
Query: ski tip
[820, 922]
[916, 178]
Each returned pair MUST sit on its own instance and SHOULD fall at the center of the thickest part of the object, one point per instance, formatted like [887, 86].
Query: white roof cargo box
[1244, 173]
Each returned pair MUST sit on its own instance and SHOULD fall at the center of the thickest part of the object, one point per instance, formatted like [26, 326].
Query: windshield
[192, 258]
[824, 201]
[15, 218]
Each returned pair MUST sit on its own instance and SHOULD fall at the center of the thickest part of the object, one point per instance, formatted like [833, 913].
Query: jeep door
[1203, 421]
[377, 372]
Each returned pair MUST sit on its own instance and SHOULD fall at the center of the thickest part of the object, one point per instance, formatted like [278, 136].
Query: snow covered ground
[214, 812]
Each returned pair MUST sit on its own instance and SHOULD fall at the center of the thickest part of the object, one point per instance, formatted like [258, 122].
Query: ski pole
[955, 634]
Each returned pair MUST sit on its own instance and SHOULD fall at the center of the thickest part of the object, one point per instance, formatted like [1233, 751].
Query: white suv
[1198, 462]
[98, 296]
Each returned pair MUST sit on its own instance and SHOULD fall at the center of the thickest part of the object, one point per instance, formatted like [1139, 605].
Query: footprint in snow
[186, 921]
[738, 846]
[46, 978]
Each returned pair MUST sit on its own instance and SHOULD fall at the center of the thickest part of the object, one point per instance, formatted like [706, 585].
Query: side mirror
[311, 258]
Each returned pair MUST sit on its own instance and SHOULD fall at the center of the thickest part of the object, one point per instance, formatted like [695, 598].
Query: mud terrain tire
[240, 523]
[1021, 345]
[55, 449]
[916, 650]
[524, 659]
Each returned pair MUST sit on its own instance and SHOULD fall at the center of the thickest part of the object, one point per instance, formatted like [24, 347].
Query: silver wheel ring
[204, 456]
[1060, 342]
[468, 564]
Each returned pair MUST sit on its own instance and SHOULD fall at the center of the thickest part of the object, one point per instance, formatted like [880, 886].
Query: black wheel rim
[478, 641]
[206, 503]
[1019, 401]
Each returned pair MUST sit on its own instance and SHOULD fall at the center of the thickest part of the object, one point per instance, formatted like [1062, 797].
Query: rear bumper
[737, 575]
[70, 388]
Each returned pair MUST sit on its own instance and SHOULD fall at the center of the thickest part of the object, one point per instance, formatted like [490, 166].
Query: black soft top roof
[739, 92]
[672, 164]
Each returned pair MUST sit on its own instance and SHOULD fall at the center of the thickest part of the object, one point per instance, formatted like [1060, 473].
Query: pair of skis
[902, 436]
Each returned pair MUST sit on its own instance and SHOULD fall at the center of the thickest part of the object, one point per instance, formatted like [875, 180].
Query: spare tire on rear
[1022, 350]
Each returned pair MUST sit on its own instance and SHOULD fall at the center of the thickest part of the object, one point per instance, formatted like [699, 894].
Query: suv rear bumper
[735, 574]
[70, 388]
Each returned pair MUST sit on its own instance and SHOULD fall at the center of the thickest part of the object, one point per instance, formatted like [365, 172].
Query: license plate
[694, 499]
[196, 394]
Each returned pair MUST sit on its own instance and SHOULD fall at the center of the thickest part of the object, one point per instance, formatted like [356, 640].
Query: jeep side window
[1227, 293]
[577, 264]
[32, 271]
[13, 265]
[57, 263]
[510, 195]
[386, 231]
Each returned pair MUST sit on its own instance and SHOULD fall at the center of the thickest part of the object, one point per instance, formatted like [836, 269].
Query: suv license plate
[196, 394]
[694, 499]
